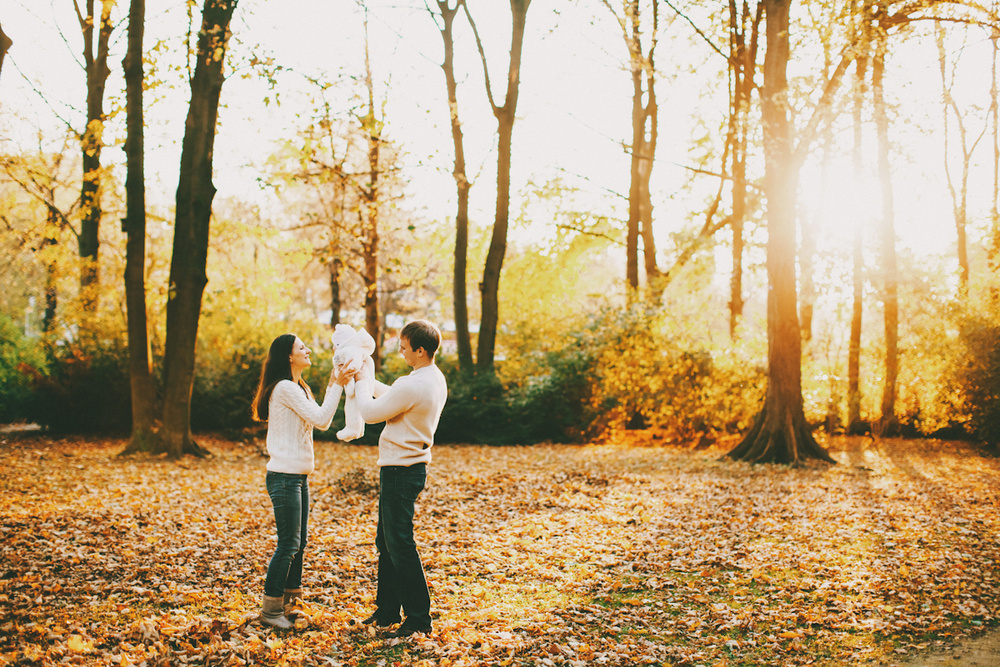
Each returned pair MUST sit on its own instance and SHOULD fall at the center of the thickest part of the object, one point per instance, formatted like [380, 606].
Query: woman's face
[300, 355]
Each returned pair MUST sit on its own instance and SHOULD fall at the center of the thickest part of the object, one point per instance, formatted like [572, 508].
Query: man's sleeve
[396, 400]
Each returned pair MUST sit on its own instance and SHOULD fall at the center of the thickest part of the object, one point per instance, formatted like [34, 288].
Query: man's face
[409, 355]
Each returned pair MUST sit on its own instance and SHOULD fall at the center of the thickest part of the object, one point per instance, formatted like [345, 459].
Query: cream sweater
[410, 408]
[290, 421]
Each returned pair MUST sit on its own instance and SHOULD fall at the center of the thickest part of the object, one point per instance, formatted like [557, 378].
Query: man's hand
[367, 371]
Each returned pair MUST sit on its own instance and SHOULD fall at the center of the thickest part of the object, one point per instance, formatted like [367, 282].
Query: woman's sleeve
[319, 416]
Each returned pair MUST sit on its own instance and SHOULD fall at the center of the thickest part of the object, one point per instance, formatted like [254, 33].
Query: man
[411, 408]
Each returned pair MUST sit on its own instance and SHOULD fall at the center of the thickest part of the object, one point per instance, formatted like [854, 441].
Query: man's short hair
[422, 334]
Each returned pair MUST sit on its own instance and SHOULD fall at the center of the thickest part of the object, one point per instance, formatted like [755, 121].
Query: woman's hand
[341, 376]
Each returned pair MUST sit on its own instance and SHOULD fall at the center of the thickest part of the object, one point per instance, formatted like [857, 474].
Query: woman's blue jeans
[401, 581]
[290, 498]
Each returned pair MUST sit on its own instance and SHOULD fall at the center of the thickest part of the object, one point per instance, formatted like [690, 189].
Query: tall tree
[780, 432]
[994, 247]
[42, 178]
[995, 123]
[643, 145]
[857, 254]
[505, 116]
[890, 274]
[372, 124]
[462, 184]
[95, 57]
[960, 192]
[195, 192]
[743, 34]
[143, 391]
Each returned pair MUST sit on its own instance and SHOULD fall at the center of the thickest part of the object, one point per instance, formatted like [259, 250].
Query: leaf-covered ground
[606, 554]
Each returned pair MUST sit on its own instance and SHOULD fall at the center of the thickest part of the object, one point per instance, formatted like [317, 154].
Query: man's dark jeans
[401, 581]
[290, 498]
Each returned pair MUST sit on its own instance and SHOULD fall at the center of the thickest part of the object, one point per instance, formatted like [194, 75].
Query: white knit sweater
[291, 417]
[411, 409]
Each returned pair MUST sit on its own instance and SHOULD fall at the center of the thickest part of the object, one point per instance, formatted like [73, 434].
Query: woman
[285, 402]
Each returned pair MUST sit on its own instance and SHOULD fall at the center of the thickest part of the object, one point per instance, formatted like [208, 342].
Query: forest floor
[613, 553]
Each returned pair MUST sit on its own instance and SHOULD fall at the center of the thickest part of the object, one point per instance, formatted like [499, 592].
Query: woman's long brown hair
[277, 367]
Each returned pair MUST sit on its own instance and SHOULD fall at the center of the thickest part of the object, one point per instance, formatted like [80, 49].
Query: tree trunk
[742, 63]
[654, 282]
[52, 220]
[143, 392]
[890, 278]
[336, 267]
[858, 281]
[638, 138]
[372, 126]
[92, 142]
[5, 44]
[505, 116]
[780, 433]
[960, 195]
[807, 255]
[460, 296]
[994, 247]
[195, 192]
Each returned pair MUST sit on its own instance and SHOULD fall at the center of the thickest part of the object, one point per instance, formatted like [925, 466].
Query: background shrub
[86, 389]
[22, 360]
[978, 378]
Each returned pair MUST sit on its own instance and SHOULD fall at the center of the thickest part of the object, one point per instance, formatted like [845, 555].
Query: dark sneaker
[378, 622]
[407, 629]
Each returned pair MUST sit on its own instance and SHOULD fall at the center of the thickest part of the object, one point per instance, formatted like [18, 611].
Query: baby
[350, 347]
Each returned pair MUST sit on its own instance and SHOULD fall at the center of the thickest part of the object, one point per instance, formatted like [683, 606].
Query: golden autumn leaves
[552, 555]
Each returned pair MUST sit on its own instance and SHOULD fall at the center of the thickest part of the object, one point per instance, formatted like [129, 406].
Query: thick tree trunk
[92, 142]
[890, 278]
[858, 281]
[195, 192]
[460, 296]
[505, 116]
[143, 391]
[780, 433]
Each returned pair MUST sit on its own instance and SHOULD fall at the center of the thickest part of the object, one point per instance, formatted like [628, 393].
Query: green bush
[224, 386]
[627, 369]
[618, 369]
[978, 378]
[479, 410]
[22, 360]
[621, 369]
[87, 388]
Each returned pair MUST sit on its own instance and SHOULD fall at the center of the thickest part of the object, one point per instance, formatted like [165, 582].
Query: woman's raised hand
[341, 375]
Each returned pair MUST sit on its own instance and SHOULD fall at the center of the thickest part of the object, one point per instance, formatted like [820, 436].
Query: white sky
[573, 112]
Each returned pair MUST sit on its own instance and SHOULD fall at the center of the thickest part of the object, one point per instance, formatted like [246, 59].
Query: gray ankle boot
[272, 612]
[290, 603]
